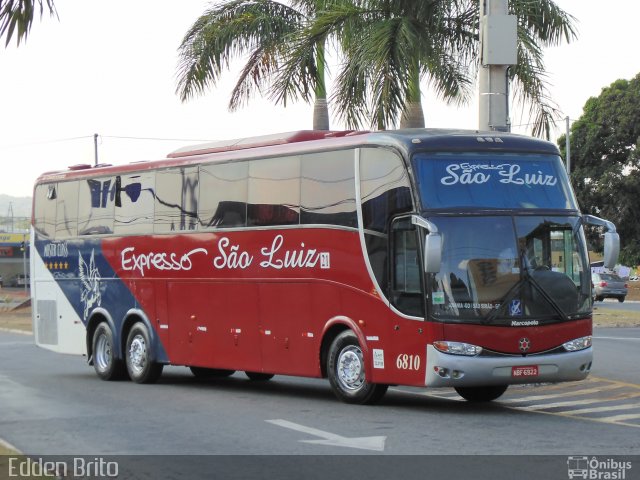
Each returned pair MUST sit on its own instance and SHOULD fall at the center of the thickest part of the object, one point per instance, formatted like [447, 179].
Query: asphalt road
[54, 404]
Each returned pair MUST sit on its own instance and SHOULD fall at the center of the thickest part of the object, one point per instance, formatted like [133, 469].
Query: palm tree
[16, 16]
[259, 29]
[390, 46]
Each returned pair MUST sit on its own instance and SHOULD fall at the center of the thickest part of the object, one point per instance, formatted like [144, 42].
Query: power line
[159, 139]
[45, 142]
[84, 137]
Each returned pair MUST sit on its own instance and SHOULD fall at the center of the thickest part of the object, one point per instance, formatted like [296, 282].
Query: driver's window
[406, 281]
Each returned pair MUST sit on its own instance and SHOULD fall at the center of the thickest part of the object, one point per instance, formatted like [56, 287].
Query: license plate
[528, 371]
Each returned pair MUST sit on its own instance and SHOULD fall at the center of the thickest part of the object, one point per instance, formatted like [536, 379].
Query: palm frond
[17, 16]
[230, 31]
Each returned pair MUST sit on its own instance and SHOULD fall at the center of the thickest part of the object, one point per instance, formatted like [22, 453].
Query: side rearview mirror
[432, 244]
[611, 239]
[611, 249]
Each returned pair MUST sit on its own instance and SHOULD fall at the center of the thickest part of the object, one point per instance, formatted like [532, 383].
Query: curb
[13, 330]
[7, 445]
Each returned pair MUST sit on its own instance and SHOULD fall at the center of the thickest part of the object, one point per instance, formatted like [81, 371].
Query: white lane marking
[610, 408]
[617, 338]
[585, 391]
[364, 443]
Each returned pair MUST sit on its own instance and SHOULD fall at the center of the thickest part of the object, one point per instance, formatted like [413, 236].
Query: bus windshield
[505, 270]
[491, 180]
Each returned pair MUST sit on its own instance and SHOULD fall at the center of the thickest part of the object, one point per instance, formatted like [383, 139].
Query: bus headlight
[577, 344]
[457, 348]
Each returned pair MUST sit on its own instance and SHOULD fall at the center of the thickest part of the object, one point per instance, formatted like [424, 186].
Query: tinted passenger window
[223, 195]
[384, 188]
[328, 189]
[67, 210]
[45, 210]
[96, 203]
[176, 200]
[134, 213]
[274, 191]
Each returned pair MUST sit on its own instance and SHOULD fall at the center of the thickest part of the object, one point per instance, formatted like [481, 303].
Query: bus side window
[176, 200]
[385, 192]
[327, 189]
[135, 214]
[406, 291]
[274, 192]
[223, 195]
[96, 202]
[45, 210]
[67, 210]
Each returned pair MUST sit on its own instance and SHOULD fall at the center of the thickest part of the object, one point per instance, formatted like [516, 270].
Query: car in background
[19, 280]
[608, 285]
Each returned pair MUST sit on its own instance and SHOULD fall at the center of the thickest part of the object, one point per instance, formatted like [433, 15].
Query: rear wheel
[138, 356]
[259, 377]
[621, 299]
[481, 394]
[106, 365]
[346, 371]
[599, 299]
[201, 372]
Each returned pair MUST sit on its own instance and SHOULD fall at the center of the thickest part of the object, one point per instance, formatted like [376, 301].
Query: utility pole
[10, 215]
[95, 148]
[567, 141]
[498, 51]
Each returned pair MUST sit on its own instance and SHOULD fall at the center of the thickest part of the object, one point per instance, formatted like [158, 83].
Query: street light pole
[24, 260]
[498, 51]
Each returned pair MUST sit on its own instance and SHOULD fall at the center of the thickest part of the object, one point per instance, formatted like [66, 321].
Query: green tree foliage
[391, 47]
[606, 161]
[16, 17]
[386, 50]
[258, 32]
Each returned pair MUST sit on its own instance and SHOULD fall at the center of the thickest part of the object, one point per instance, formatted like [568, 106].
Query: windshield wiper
[511, 293]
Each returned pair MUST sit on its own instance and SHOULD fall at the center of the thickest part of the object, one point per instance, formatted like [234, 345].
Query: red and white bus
[421, 257]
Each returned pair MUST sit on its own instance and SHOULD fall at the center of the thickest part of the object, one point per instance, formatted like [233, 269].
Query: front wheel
[138, 356]
[346, 371]
[481, 394]
[106, 365]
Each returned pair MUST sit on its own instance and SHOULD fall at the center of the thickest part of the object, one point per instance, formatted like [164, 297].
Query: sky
[109, 67]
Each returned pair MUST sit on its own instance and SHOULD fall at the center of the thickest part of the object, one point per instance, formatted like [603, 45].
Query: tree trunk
[412, 115]
[320, 107]
[320, 114]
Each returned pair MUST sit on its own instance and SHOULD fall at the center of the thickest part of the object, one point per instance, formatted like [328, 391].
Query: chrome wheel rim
[350, 368]
[138, 354]
[103, 353]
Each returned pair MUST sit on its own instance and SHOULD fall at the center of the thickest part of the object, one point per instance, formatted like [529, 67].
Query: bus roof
[290, 143]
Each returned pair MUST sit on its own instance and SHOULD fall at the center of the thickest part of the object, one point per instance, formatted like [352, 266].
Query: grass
[615, 318]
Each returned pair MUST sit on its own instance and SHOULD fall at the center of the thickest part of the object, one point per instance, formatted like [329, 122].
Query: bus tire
[259, 377]
[138, 356]
[481, 394]
[106, 365]
[202, 372]
[346, 371]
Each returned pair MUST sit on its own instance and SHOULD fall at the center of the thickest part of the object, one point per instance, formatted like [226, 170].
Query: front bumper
[463, 371]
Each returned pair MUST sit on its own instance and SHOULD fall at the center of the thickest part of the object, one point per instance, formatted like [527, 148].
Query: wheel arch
[332, 329]
[98, 316]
